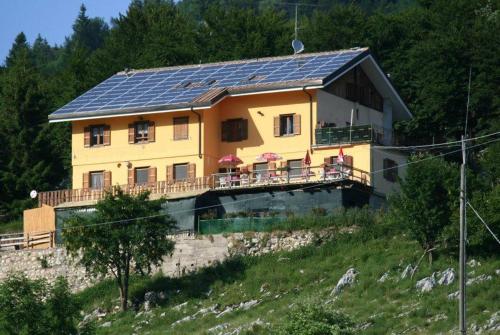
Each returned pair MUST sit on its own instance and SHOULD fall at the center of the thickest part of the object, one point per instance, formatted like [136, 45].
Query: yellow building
[167, 128]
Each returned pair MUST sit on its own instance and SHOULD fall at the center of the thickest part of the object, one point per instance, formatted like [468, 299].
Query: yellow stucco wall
[164, 151]
[259, 109]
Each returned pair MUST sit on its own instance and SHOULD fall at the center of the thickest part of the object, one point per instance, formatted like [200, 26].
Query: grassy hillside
[280, 281]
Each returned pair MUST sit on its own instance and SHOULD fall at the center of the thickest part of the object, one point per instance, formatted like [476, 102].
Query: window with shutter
[141, 132]
[234, 130]
[295, 167]
[181, 126]
[152, 175]
[286, 125]
[107, 135]
[296, 124]
[276, 125]
[151, 131]
[131, 133]
[85, 180]
[180, 171]
[107, 179]
[86, 137]
[131, 177]
[170, 174]
[97, 180]
[191, 171]
[141, 175]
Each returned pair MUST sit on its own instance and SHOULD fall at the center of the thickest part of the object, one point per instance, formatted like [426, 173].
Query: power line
[451, 143]
[259, 197]
[480, 218]
[432, 157]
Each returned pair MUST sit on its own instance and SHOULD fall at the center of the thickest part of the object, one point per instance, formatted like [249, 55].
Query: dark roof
[178, 87]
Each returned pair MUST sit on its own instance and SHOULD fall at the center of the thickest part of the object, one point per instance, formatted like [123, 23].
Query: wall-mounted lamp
[129, 165]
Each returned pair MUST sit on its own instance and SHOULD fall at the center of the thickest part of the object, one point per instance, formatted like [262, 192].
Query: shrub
[315, 319]
[34, 307]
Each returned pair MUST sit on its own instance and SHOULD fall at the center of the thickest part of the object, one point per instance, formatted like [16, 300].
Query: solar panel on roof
[180, 86]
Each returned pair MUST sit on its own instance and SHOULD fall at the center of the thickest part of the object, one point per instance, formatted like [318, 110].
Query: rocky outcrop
[347, 279]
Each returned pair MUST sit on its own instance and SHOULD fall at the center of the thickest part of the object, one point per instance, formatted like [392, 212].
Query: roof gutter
[199, 131]
[310, 117]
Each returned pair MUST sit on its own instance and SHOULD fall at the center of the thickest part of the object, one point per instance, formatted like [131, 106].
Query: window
[286, 125]
[96, 179]
[141, 175]
[97, 135]
[390, 170]
[180, 171]
[260, 170]
[141, 131]
[234, 130]
[295, 166]
[181, 125]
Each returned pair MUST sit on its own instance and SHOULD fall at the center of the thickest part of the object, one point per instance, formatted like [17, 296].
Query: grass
[308, 275]
[11, 227]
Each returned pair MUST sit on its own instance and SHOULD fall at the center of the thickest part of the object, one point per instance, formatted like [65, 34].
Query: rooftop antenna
[297, 45]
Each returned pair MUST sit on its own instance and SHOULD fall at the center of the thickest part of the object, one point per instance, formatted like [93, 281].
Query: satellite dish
[297, 46]
[33, 194]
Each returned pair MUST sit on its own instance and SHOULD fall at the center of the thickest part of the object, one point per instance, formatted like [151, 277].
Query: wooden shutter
[271, 166]
[152, 175]
[131, 177]
[276, 126]
[296, 124]
[107, 136]
[191, 173]
[224, 131]
[244, 129]
[348, 160]
[170, 173]
[131, 133]
[151, 131]
[107, 179]
[86, 180]
[86, 137]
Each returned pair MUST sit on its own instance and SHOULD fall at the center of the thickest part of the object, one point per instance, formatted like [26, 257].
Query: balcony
[334, 173]
[348, 135]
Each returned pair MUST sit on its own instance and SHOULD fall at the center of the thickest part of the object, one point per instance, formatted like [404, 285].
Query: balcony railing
[301, 175]
[347, 135]
[261, 178]
[54, 198]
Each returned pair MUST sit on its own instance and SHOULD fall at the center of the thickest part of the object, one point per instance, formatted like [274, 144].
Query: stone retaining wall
[191, 253]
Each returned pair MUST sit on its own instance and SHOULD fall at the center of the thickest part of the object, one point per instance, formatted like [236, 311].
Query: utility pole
[463, 238]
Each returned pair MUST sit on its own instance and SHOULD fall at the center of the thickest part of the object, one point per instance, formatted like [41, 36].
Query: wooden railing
[27, 241]
[54, 198]
[313, 174]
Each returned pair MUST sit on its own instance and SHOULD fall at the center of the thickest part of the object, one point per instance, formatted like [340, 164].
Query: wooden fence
[54, 198]
[19, 241]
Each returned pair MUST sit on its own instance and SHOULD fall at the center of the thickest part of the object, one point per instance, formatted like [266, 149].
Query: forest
[428, 48]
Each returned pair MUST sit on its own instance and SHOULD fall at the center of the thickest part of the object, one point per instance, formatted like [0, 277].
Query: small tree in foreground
[316, 319]
[427, 200]
[125, 232]
[36, 308]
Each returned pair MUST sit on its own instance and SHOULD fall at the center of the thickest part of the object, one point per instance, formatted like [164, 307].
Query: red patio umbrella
[307, 159]
[230, 160]
[340, 157]
[268, 157]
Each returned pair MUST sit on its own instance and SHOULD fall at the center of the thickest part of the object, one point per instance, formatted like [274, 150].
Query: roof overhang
[210, 99]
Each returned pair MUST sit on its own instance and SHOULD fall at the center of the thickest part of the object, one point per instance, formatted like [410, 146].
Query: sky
[52, 19]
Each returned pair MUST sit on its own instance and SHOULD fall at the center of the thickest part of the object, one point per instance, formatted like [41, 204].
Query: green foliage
[133, 236]
[315, 319]
[427, 47]
[33, 307]
[427, 199]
